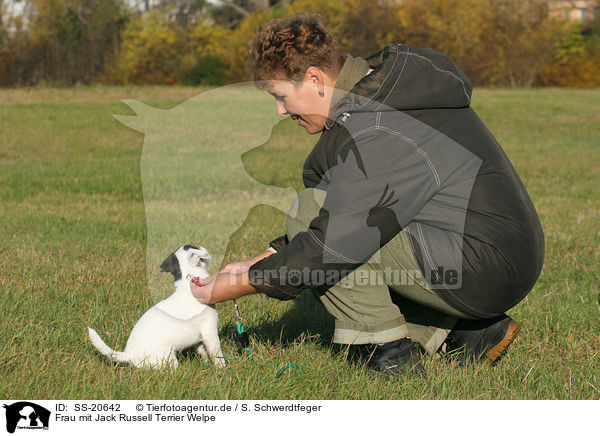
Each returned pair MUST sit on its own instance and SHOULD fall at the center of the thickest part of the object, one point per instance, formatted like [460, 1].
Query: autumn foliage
[496, 42]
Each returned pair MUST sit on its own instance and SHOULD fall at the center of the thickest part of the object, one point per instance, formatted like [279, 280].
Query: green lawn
[74, 243]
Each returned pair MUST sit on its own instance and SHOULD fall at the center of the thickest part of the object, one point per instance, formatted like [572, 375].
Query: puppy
[175, 323]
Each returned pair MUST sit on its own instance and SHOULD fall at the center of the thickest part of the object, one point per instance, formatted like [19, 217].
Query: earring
[321, 94]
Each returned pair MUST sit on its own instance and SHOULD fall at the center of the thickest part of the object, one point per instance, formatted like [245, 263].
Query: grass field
[73, 254]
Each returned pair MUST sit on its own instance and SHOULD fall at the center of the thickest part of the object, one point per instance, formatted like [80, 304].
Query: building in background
[582, 10]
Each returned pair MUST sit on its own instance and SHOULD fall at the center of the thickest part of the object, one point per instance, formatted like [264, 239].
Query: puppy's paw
[220, 362]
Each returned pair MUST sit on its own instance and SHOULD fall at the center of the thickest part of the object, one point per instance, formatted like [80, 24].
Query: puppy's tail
[117, 356]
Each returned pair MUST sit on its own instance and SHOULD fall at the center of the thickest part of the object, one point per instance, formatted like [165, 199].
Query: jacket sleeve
[377, 185]
[277, 244]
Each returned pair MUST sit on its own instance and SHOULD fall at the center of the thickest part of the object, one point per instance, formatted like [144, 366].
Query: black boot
[482, 339]
[390, 358]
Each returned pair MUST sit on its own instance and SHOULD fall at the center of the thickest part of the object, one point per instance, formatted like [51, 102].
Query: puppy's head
[197, 255]
[189, 259]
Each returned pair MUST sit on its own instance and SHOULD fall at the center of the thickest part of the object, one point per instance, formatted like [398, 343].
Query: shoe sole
[511, 333]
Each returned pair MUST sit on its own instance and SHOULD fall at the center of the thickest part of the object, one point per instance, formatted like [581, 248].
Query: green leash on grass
[243, 339]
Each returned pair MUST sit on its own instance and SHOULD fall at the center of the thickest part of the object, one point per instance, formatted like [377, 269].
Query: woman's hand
[222, 287]
[229, 283]
[243, 266]
[203, 293]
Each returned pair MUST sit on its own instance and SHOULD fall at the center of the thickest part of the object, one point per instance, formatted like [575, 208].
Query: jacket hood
[406, 78]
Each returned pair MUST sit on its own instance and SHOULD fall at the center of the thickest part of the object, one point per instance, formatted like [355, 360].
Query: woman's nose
[281, 110]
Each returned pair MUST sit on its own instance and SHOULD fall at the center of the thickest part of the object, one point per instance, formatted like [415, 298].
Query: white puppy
[175, 323]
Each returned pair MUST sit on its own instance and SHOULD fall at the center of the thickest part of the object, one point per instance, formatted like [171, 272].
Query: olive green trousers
[384, 300]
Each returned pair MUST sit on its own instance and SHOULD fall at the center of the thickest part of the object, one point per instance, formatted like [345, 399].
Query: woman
[414, 228]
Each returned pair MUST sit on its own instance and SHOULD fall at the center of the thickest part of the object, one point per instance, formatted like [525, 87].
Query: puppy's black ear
[171, 265]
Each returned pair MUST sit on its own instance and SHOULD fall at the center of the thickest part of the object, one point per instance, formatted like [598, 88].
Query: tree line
[513, 43]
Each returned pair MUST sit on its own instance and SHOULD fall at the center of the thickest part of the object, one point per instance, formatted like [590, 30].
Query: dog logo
[191, 157]
[26, 415]
[197, 180]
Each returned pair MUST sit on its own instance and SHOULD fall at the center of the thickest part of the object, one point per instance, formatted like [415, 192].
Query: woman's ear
[315, 77]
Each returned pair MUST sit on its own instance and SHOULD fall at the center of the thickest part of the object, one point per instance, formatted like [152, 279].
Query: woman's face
[302, 103]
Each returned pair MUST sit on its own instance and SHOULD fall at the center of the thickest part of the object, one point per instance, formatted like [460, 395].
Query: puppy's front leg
[213, 346]
[202, 352]
[210, 337]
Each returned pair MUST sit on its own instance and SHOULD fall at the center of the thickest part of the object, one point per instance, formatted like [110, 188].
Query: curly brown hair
[283, 49]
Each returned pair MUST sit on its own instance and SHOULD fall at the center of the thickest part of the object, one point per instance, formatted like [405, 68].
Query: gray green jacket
[404, 150]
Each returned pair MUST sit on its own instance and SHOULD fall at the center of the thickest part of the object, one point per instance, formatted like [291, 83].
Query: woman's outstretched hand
[229, 283]
[222, 287]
